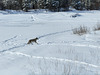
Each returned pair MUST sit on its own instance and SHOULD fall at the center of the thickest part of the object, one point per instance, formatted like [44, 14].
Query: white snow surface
[58, 52]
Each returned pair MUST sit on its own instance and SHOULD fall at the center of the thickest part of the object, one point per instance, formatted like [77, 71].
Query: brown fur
[32, 40]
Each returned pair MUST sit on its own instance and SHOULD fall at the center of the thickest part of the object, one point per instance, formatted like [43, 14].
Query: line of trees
[53, 5]
[85, 4]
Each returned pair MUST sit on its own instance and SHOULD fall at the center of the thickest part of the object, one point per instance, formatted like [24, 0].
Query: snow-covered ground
[58, 52]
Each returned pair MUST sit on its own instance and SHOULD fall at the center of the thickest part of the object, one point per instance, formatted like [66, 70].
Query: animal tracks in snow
[9, 39]
[53, 33]
[9, 49]
[11, 43]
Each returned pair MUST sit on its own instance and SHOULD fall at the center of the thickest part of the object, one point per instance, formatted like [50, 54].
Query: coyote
[32, 40]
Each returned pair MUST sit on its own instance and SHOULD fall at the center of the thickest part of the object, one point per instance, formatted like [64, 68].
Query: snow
[58, 52]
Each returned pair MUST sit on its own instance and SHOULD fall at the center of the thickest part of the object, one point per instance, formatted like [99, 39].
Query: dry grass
[81, 30]
[97, 27]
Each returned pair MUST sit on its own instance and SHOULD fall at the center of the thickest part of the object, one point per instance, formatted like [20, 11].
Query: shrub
[81, 30]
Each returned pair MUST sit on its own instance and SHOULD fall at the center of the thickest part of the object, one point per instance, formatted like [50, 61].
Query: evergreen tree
[79, 5]
[1, 5]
